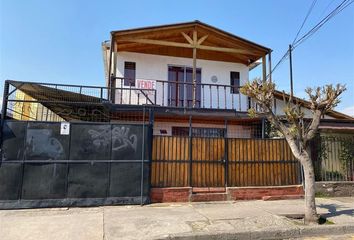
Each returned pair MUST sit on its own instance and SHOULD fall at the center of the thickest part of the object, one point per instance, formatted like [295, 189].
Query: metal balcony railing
[26, 99]
[178, 94]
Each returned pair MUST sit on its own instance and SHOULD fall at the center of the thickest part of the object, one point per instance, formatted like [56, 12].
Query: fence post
[263, 128]
[142, 162]
[190, 151]
[4, 111]
[4, 100]
[314, 147]
[226, 156]
[113, 89]
[150, 144]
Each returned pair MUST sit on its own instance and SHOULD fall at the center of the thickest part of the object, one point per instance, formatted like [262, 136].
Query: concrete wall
[335, 189]
[155, 67]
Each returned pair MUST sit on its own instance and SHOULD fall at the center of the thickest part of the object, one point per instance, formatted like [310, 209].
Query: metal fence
[28, 101]
[31, 101]
[109, 154]
[334, 158]
[91, 164]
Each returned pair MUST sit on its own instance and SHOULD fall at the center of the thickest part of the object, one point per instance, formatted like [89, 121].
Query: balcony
[62, 102]
[178, 94]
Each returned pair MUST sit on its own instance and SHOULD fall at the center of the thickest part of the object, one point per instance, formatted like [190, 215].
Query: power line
[338, 9]
[297, 34]
[291, 47]
[279, 62]
[326, 8]
[303, 22]
[344, 4]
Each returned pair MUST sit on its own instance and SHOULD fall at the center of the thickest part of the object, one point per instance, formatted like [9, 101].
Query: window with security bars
[198, 132]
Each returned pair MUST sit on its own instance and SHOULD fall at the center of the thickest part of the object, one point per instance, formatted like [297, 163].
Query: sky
[59, 41]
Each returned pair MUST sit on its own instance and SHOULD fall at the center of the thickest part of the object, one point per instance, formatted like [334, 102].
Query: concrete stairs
[205, 194]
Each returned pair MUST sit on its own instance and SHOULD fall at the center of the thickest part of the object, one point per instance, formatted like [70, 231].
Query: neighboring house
[27, 109]
[332, 149]
[279, 105]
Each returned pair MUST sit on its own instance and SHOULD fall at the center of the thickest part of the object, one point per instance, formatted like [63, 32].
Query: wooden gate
[208, 162]
[217, 162]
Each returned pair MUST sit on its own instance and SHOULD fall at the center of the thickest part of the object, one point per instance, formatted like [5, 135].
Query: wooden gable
[179, 40]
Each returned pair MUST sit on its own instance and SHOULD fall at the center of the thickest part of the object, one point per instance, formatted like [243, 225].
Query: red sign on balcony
[145, 84]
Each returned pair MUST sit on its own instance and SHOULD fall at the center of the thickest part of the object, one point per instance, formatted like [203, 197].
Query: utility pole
[291, 72]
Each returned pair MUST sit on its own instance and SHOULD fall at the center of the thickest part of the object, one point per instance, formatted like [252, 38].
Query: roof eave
[192, 23]
[332, 113]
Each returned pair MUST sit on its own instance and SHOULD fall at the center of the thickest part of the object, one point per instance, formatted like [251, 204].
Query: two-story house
[185, 69]
[199, 136]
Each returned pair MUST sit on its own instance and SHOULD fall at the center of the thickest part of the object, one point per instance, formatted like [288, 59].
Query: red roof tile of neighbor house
[306, 104]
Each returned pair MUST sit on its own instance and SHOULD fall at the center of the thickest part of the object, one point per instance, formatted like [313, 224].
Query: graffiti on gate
[123, 139]
[42, 144]
[100, 138]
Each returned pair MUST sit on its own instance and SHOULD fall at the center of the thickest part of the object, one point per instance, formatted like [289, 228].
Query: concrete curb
[296, 232]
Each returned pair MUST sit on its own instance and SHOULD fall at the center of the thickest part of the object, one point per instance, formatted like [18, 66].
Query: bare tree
[296, 130]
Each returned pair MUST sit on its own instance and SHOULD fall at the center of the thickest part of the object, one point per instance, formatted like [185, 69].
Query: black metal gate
[93, 164]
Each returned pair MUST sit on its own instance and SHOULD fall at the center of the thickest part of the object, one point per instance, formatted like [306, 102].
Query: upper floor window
[129, 74]
[235, 82]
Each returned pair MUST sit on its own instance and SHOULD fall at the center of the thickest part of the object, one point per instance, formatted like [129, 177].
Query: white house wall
[280, 105]
[155, 67]
[233, 131]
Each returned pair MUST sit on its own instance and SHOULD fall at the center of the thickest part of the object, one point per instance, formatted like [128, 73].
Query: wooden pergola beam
[270, 66]
[188, 45]
[188, 38]
[222, 49]
[202, 39]
[195, 42]
[160, 42]
[264, 68]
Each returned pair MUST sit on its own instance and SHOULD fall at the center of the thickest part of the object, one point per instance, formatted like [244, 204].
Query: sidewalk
[216, 220]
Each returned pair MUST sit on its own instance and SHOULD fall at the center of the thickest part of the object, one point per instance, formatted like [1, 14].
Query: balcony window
[129, 74]
[180, 87]
[235, 82]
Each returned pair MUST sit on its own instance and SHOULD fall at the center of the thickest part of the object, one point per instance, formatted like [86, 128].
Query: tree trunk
[304, 157]
[310, 204]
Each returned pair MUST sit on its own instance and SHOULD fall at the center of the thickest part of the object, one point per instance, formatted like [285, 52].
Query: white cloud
[348, 110]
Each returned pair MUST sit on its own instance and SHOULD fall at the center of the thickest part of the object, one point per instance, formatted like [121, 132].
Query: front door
[180, 87]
